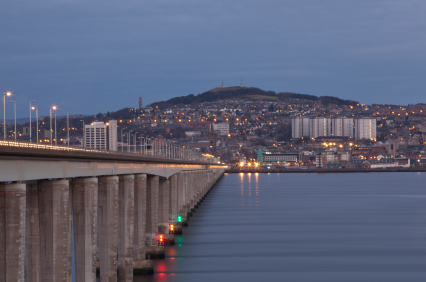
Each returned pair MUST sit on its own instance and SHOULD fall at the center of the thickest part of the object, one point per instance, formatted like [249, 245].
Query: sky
[89, 56]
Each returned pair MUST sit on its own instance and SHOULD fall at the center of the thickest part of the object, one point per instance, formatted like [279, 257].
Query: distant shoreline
[344, 170]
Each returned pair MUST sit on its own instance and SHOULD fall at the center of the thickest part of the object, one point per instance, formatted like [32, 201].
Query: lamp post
[128, 141]
[84, 131]
[34, 108]
[51, 137]
[134, 141]
[68, 127]
[122, 140]
[141, 143]
[30, 118]
[14, 106]
[8, 94]
[56, 138]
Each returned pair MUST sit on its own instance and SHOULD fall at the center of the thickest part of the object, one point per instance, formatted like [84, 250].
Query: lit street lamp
[34, 108]
[51, 137]
[14, 106]
[68, 127]
[4, 112]
[30, 118]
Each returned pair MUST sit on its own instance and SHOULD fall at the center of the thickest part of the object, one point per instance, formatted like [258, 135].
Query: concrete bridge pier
[126, 202]
[55, 230]
[12, 231]
[108, 227]
[180, 201]
[173, 204]
[85, 216]
[164, 212]
[140, 264]
[152, 195]
[32, 234]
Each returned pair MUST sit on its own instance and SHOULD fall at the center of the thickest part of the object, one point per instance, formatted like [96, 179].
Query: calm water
[304, 227]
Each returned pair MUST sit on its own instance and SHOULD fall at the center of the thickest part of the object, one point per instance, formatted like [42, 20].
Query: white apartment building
[101, 136]
[343, 127]
[95, 135]
[112, 135]
[365, 128]
[300, 127]
[221, 128]
[320, 127]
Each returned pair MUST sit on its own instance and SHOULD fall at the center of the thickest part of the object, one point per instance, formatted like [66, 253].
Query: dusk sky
[97, 56]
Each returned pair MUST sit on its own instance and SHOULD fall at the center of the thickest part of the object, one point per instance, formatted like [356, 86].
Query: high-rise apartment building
[112, 135]
[300, 127]
[101, 136]
[320, 127]
[95, 135]
[343, 127]
[365, 128]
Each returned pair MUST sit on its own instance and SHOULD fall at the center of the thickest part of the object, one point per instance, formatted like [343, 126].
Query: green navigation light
[179, 219]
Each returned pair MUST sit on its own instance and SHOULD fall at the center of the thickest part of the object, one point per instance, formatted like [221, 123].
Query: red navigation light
[160, 240]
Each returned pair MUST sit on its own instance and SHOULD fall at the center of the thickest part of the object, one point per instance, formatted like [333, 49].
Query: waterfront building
[274, 158]
[331, 159]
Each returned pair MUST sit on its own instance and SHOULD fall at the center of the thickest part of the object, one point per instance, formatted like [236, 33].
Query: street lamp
[8, 94]
[30, 118]
[135, 140]
[14, 106]
[128, 141]
[34, 108]
[51, 138]
[84, 136]
[122, 140]
[68, 128]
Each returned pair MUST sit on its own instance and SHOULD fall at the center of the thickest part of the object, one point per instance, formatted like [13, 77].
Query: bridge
[122, 207]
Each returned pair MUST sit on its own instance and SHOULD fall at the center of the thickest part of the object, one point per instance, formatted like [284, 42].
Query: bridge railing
[166, 151]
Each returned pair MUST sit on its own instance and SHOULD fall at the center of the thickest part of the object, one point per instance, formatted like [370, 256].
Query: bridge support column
[125, 227]
[140, 264]
[152, 249]
[181, 197]
[12, 231]
[85, 215]
[191, 191]
[32, 235]
[163, 211]
[173, 205]
[55, 230]
[108, 227]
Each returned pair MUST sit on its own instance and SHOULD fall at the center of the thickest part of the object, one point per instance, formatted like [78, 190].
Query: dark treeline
[248, 92]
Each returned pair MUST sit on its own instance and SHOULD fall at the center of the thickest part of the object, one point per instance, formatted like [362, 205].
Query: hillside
[251, 93]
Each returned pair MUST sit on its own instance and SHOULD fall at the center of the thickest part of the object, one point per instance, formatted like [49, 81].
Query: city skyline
[65, 53]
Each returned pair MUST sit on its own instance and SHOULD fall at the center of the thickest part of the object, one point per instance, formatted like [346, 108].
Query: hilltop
[251, 93]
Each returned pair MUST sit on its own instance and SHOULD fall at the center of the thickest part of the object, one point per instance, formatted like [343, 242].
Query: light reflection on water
[304, 227]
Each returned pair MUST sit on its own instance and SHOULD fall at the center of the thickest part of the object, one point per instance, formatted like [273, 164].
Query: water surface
[304, 227]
